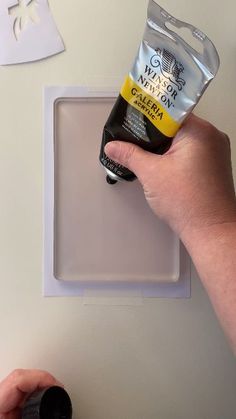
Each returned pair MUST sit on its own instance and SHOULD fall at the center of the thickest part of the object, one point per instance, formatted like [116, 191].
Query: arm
[191, 188]
[213, 251]
[15, 389]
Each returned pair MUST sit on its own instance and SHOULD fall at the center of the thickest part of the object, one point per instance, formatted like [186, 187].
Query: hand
[191, 186]
[15, 389]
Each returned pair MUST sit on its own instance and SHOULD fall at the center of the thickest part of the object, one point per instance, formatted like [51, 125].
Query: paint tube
[166, 82]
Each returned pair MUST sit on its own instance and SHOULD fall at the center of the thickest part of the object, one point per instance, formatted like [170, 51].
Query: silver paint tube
[166, 82]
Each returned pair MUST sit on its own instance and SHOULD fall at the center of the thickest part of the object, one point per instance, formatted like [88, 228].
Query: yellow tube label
[149, 107]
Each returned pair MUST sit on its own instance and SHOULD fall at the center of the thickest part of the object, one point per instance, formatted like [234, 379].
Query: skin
[17, 386]
[191, 188]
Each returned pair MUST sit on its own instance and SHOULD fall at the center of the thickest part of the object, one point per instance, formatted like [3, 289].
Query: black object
[50, 403]
[151, 139]
[110, 180]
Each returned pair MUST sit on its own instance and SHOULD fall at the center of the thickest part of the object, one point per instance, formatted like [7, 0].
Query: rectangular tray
[102, 232]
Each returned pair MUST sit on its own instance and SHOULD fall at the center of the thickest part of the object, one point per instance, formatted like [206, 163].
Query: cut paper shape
[27, 32]
[24, 13]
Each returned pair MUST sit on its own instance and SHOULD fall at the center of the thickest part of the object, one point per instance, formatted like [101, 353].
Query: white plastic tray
[96, 233]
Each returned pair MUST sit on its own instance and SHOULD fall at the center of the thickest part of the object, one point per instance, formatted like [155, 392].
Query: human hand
[191, 186]
[17, 387]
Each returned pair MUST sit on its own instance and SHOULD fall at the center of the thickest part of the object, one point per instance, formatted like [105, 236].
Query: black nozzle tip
[110, 180]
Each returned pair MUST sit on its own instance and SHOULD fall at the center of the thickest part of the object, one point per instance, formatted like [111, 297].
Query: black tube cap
[50, 403]
[110, 180]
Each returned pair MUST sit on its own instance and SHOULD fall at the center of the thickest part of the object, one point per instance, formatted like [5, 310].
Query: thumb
[130, 156]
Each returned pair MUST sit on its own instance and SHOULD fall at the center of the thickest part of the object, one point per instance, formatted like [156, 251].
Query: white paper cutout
[23, 12]
[27, 31]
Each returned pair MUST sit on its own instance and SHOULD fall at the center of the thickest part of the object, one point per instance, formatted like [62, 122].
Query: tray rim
[52, 95]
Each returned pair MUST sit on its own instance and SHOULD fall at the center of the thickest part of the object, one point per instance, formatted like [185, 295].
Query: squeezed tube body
[147, 136]
[166, 81]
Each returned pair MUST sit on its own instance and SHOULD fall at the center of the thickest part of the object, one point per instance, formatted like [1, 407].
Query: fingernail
[112, 150]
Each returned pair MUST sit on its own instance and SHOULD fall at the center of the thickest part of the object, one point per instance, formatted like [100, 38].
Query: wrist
[211, 229]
